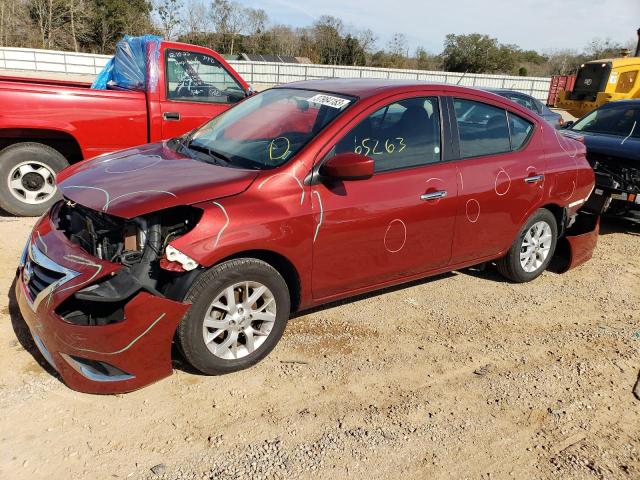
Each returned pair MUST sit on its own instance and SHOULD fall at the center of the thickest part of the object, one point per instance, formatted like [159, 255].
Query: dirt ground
[460, 376]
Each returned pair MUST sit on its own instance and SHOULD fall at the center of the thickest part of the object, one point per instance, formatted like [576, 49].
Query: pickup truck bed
[47, 125]
[101, 120]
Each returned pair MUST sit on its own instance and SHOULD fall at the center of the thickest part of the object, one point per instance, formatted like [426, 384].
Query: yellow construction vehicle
[602, 81]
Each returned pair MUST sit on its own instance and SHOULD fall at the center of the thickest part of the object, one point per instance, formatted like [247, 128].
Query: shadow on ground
[23, 334]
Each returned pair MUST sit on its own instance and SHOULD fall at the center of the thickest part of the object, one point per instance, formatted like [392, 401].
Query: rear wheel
[27, 178]
[532, 250]
[239, 313]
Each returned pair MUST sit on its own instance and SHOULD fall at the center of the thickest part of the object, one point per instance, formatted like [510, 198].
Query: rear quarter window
[520, 130]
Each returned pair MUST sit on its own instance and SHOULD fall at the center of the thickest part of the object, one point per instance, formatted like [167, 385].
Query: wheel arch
[177, 290]
[282, 264]
[560, 214]
[65, 143]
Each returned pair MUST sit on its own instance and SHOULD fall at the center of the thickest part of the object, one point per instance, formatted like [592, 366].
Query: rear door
[198, 87]
[400, 221]
[501, 165]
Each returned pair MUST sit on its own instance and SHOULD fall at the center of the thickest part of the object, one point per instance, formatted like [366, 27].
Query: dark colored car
[298, 196]
[612, 136]
[532, 104]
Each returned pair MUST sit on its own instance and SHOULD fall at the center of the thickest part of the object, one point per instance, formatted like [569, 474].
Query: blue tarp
[128, 68]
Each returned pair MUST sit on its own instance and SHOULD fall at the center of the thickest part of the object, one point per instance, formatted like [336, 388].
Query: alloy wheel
[239, 320]
[535, 246]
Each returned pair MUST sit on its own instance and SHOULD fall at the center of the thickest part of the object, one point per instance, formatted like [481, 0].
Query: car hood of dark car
[627, 148]
[149, 178]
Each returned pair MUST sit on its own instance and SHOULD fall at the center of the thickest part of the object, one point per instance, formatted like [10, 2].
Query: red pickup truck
[45, 125]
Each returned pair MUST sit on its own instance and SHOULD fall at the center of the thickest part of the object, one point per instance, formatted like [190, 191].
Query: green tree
[476, 53]
[112, 19]
[352, 52]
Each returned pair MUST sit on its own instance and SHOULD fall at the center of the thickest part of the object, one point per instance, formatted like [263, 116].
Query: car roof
[505, 90]
[368, 87]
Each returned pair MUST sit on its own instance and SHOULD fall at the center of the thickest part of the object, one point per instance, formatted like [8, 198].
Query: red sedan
[295, 197]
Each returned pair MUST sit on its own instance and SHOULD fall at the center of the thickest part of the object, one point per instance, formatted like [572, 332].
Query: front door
[198, 88]
[500, 177]
[400, 221]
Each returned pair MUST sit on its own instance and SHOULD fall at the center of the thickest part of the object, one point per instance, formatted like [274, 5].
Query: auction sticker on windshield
[329, 101]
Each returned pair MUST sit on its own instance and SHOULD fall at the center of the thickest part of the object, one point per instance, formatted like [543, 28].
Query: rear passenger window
[400, 135]
[487, 130]
[520, 131]
[482, 128]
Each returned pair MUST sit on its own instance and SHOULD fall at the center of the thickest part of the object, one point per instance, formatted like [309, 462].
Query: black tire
[509, 265]
[16, 154]
[205, 289]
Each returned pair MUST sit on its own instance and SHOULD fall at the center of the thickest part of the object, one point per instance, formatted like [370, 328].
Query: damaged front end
[617, 190]
[100, 296]
[139, 245]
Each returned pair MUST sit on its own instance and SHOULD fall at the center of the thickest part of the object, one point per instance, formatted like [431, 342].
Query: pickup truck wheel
[240, 310]
[27, 178]
[532, 250]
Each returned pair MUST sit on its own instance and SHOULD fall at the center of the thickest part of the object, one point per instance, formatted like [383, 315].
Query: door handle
[171, 116]
[534, 179]
[433, 195]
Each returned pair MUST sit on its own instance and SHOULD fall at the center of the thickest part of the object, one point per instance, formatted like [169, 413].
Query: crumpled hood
[146, 179]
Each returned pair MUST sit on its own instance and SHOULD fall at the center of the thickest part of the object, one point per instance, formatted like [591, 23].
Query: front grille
[39, 278]
[41, 275]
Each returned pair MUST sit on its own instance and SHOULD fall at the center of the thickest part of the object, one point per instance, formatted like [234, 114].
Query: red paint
[102, 121]
[342, 237]
[150, 178]
[579, 246]
[349, 166]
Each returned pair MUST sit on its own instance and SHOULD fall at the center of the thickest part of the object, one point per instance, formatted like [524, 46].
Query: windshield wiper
[216, 156]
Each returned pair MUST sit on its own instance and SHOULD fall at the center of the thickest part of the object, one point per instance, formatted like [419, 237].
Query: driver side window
[399, 135]
[196, 77]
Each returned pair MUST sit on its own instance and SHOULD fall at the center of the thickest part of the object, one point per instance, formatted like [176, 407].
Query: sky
[541, 25]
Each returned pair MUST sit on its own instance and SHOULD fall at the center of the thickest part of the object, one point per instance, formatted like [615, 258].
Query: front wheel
[28, 172]
[532, 250]
[240, 310]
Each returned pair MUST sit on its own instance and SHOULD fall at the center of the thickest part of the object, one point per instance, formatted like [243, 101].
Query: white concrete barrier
[267, 73]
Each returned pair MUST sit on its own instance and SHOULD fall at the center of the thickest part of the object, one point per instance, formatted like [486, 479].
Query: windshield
[266, 130]
[624, 121]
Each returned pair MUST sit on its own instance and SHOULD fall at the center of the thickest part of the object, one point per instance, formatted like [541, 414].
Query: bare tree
[169, 16]
[195, 20]
[256, 24]
[229, 20]
[367, 40]
[398, 45]
[328, 33]
[50, 17]
[237, 23]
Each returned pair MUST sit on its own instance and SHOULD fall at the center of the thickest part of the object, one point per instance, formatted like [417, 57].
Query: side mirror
[348, 166]
[568, 124]
[251, 91]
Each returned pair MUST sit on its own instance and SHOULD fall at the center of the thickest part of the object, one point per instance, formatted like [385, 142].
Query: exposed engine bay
[138, 244]
[617, 189]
